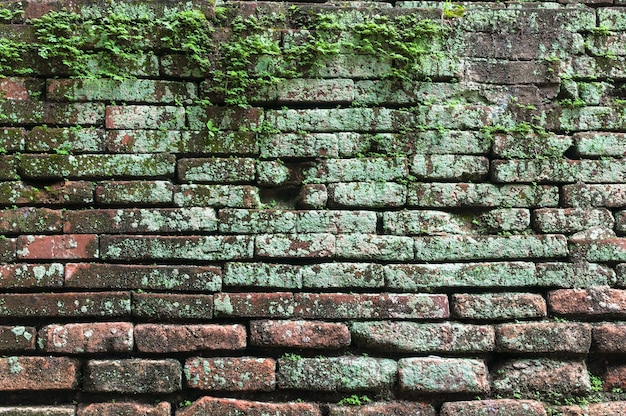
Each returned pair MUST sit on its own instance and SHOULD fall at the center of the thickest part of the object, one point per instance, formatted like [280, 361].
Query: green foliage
[354, 400]
[596, 383]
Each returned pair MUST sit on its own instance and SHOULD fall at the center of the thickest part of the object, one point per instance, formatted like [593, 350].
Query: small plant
[596, 383]
[185, 403]
[212, 129]
[354, 400]
[291, 357]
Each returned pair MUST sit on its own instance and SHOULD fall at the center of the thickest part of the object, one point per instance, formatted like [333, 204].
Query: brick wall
[337, 209]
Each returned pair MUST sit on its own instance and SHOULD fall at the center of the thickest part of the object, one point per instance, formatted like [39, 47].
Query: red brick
[68, 246]
[158, 338]
[592, 409]
[17, 338]
[610, 337]
[87, 338]
[110, 304]
[255, 305]
[295, 245]
[62, 193]
[385, 408]
[371, 306]
[145, 117]
[231, 374]
[30, 220]
[503, 407]
[126, 409]
[38, 411]
[595, 301]
[544, 337]
[531, 376]
[615, 377]
[38, 373]
[8, 249]
[31, 275]
[134, 376]
[19, 89]
[498, 306]
[299, 334]
[166, 307]
[228, 407]
[134, 193]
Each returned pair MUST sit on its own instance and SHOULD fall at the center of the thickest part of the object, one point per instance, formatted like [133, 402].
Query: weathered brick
[231, 374]
[602, 195]
[134, 376]
[336, 222]
[528, 20]
[38, 411]
[367, 194]
[72, 139]
[86, 338]
[8, 249]
[234, 196]
[529, 376]
[500, 407]
[126, 247]
[299, 334]
[172, 307]
[109, 304]
[559, 170]
[24, 113]
[423, 338]
[12, 139]
[231, 407]
[384, 408]
[603, 249]
[351, 66]
[594, 301]
[528, 146]
[443, 375]
[340, 373]
[243, 221]
[31, 275]
[374, 169]
[446, 195]
[312, 196]
[544, 337]
[216, 170]
[124, 276]
[8, 168]
[38, 373]
[600, 144]
[592, 409]
[572, 275]
[299, 145]
[306, 90]
[421, 222]
[571, 220]
[283, 276]
[620, 222]
[499, 71]
[224, 118]
[66, 193]
[609, 337]
[120, 221]
[277, 172]
[370, 306]
[449, 167]
[17, 88]
[126, 409]
[145, 117]
[67, 246]
[614, 377]
[30, 220]
[374, 247]
[18, 338]
[160, 338]
[612, 18]
[342, 275]
[498, 306]
[134, 192]
[255, 305]
[294, 245]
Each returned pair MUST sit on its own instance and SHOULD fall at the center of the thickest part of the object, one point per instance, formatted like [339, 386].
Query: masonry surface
[328, 209]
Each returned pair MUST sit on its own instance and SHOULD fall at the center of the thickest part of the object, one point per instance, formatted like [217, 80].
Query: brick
[19, 89]
[231, 407]
[425, 142]
[492, 71]
[449, 167]
[603, 249]
[218, 196]
[62, 193]
[306, 90]
[583, 195]
[283, 276]
[421, 222]
[38, 373]
[243, 221]
[125, 247]
[594, 301]
[412, 337]
[366, 195]
[124, 276]
[133, 376]
[65, 305]
[8, 168]
[375, 169]
[350, 66]
[544, 337]
[571, 220]
[254, 305]
[527, 376]
[23, 275]
[498, 306]
[72, 139]
[109, 337]
[600, 144]
[224, 118]
[136, 90]
[17, 338]
[126, 409]
[340, 373]
[522, 46]
[8, 249]
[299, 334]
[614, 377]
[312, 196]
[172, 307]
[384, 408]
[25, 113]
[573, 275]
[609, 337]
[374, 247]
[593, 409]
[294, 245]
[216, 170]
[620, 222]
[443, 375]
[612, 18]
[300, 145]
[528, 20]
[145, 117]
[530, 145]
[30, 220]
[160, 338]
[446, 195]
[68, 246]
[336, 222]
[277, 172]
[558, 170]
[38, 411]
[342, 275]
[231, 374]
[121, 221]
[591, 118]
[134, 193]
[370, 306]
[379, 92]
[500, 407]
[12, 139]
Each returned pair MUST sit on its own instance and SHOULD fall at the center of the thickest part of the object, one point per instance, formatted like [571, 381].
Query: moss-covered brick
[300, 90]
[298, 145]
[133, 376]
[245, 221]
[598, 301]
[525, 377]
[254, 305]
[351, 66]
[439, 141]
[66, 305]
[66, 246]
[500, 71]
[180, 66]
[367, 194]
[573, 275]
[30, 221]
[342, 275]
[375, 169]
[529, 146]
[528, 20]
[603, 45]
[65, 140]
[134, 193]
[161, 307]
[218, 196]
[12, 139]
[24, 275]
[599, 250]
[590, 118]
[449, 167]
[159, 338]
[440, 195]
[335, 222]
[498, 306]
[340, 373]
[38, 373]
[134, 90]
[8, 169]
[216, 170]
[224, 118]
[613, 18]
[429, 277]
[596, 195]
[19, 113]
[502, 220]
[370, 306]
[335, 120]
[299, 334]
[570, 220]
[294, 245]
[490, 247]
[544, 337]
[17, 338]
[125, 247]
[559, 170]
[18, 88]
[145, 117]
[504, 407]
[600, 144]
[443, 375]
[523, 46]
[80, 338]
[65, 193]
[425, 222]
[374, 247]
[385, 92]
[383, 408]
[226, 407]
[423, 338]
[133, 277]
[274, 173]
[96, 166]
[231, 374]
[595, 67]
[8, 249]
[129, 408]
[267, 275]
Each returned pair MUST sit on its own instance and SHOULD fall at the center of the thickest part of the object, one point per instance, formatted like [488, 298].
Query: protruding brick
[145, 117]
[133, 376]
[544, 337]
[17, 338]
[501, 407]
[135, 193]
[443, 375]
[68, 246]
[159, 338]
[97, 337]
[31, 275]
[498, 306]
[312, 196]
[126, 409]
[83, 304]
[176, 307]
[38, 373]
[255, 305]
[594, 301]
[231, 374]
[228, 407]
[384, 408]
[299, 334]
